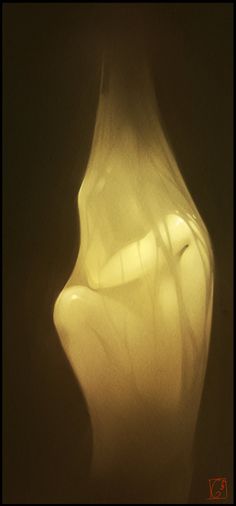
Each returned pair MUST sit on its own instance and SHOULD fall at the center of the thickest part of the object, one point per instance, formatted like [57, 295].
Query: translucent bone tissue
[135, 316]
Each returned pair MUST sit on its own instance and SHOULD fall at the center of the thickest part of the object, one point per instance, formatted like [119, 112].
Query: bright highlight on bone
[135, 315]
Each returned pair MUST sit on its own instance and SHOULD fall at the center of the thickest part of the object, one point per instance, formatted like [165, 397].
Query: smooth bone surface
[135, 316]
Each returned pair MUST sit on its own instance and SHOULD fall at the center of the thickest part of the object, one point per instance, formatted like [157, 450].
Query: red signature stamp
[218, 488]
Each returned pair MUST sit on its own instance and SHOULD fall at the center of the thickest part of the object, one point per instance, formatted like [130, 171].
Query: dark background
[51, 63]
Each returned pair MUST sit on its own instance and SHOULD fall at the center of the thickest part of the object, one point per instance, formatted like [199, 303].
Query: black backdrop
[51, 58]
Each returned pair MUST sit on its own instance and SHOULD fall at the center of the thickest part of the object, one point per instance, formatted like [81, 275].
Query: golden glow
[134, 318]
